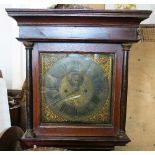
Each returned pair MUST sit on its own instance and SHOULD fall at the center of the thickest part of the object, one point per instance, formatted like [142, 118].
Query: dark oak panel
[77, 143]
[74, 130]
[78, 17]
[68, 33]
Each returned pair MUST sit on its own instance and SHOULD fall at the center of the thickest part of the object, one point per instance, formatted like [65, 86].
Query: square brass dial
[76, 88]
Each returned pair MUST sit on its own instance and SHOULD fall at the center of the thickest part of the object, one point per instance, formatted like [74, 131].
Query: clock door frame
[65, 130]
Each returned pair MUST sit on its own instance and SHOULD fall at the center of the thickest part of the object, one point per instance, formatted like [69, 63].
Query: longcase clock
[77, 71]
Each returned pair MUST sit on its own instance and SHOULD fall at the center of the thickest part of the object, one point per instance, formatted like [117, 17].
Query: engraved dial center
[74, 89]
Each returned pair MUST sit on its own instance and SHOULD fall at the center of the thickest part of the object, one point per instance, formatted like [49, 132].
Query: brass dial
[75, 87]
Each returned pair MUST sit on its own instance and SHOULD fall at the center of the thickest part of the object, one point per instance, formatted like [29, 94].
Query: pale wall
[140, 125]
[12, 59]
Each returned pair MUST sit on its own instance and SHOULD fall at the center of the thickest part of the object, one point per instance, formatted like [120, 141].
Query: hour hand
[71, 98]
[67, 97]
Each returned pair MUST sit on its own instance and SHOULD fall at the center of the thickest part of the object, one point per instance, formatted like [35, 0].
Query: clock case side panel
[62, 130]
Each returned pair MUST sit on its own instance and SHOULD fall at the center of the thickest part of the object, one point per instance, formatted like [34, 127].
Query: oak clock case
[73, 90]
[77, 75]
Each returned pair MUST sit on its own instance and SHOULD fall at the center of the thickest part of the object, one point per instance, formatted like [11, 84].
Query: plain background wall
[12, 55]
[140, 123]
[10, 49]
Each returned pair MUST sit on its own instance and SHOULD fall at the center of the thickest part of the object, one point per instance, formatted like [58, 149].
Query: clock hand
[65, 96]
[71, 98]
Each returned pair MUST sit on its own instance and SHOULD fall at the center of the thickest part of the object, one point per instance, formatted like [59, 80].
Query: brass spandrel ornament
[76, 88]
